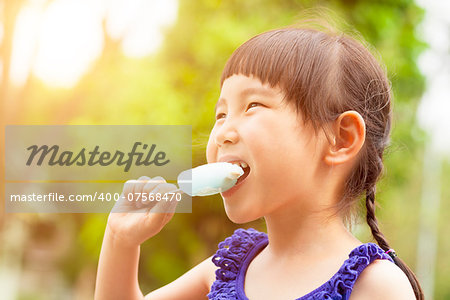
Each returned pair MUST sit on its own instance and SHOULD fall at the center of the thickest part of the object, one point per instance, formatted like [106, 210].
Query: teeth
[241, 164]
[235, 175]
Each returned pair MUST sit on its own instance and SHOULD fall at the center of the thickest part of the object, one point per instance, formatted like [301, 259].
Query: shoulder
[232, 251]
[382, 279]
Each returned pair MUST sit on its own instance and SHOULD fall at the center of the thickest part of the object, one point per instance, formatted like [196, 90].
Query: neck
[292, 232]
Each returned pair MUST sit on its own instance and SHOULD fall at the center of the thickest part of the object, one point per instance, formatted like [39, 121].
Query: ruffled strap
[341, 284]
[229, 258]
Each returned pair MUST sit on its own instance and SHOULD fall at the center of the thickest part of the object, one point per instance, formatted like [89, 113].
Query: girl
[309, 112]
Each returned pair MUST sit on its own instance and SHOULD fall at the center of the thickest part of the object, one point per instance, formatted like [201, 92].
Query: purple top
[237, 251]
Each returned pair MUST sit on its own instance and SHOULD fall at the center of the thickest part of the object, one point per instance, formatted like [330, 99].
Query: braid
[381, 240]
[372, 220]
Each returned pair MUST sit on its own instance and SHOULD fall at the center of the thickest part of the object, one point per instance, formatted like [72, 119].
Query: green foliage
[180, 85]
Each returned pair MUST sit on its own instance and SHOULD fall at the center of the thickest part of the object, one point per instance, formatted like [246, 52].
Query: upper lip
[230, 159]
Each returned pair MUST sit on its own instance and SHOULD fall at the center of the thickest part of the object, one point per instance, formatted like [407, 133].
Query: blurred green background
[54, 256]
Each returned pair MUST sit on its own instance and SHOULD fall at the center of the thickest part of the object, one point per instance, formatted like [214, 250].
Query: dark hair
[325, 73]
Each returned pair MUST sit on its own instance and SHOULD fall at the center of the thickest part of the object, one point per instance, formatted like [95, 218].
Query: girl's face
[254, 125]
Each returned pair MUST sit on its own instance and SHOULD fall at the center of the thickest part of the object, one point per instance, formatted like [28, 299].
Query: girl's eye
[220, 116]
[253, 104]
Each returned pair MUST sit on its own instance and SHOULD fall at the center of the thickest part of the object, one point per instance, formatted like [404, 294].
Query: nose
[227, 133]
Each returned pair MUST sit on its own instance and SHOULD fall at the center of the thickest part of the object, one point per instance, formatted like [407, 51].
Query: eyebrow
[246, 92]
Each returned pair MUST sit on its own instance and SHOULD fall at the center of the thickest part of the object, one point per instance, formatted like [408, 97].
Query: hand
[135, 217]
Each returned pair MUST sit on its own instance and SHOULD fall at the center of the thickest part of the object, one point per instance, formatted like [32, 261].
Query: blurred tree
[180, 85]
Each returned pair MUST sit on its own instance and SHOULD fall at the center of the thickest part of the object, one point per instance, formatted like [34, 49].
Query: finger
[123, 205]
[170, 212]
[152, 191]
[137, 190]
[158, 179]
[139, 183]
[129, 189]
[148, 192]
[151, 183]
[167, 198]
[163, 217]
[128, 186]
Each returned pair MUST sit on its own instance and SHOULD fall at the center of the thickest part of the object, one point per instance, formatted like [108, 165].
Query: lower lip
[232, 190]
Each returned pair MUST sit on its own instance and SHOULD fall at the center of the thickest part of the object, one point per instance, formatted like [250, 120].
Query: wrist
[117, 241]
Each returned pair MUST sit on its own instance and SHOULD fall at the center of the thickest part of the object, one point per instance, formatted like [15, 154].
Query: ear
[350, 134]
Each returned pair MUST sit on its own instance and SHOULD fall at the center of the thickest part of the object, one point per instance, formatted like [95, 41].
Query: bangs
[266, 56]
[300, 61]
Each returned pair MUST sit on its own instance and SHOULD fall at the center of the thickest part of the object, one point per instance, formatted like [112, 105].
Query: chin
[238, 216]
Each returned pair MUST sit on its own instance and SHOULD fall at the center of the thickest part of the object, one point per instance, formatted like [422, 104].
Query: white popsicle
[209, 179]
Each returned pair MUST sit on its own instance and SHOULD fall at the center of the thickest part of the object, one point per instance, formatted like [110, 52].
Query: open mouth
[244, 167]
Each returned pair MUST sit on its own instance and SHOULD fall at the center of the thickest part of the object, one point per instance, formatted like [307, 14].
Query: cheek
[281, 155]
[272, 142]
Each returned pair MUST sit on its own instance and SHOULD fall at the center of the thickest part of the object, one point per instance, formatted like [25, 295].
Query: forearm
[117, 274]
